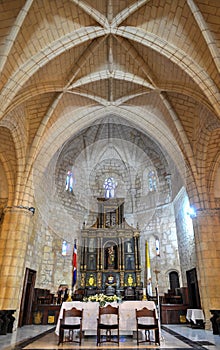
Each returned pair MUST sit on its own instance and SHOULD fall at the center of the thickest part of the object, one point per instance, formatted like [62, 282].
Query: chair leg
[98, 337]
[71, 335]
[61, 336]
[147, 336]
[108, 335]
[157, 336]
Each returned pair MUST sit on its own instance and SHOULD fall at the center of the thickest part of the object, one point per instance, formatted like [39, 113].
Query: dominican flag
[74, 263]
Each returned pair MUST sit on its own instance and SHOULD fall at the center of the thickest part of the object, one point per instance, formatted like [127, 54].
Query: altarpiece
[110, 259]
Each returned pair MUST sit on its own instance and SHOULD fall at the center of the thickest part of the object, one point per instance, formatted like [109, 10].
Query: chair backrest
[109, 315]
[147, 313]
[72, 313]
[109, 309]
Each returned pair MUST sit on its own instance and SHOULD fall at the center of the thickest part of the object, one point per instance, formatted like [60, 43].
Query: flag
[74, 263]
[148, 271]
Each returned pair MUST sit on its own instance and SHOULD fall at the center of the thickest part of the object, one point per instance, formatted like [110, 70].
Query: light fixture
[192, 212]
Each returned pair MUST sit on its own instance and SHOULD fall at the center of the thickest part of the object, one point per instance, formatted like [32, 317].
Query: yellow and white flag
[148, 271]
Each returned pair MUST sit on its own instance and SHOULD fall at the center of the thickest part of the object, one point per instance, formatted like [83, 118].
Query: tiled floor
[172, 337]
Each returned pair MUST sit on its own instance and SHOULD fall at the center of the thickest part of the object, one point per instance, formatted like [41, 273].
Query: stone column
[207, 239]
[13, 246]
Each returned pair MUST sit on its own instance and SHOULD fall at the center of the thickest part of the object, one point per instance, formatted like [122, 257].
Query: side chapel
[109, 259]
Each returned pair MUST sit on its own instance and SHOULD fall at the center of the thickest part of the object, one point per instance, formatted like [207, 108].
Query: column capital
[19, 208]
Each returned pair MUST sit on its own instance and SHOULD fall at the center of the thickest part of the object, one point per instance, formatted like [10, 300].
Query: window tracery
[110, 185]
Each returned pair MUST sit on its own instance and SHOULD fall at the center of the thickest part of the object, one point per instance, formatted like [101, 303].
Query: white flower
[102, 298]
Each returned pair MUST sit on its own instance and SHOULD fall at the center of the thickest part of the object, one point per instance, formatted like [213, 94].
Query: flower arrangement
[102, 299]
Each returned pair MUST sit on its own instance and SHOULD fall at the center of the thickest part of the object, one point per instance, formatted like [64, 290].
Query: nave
[176, 337]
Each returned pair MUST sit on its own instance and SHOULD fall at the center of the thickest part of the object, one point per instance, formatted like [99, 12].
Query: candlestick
[144, 294]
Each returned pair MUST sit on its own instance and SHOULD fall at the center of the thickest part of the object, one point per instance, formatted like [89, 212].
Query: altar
[127, 317]
[196, 318]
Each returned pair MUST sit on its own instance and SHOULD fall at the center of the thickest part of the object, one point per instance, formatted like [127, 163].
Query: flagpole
[74, 266]
[148, 270]
[158, 303]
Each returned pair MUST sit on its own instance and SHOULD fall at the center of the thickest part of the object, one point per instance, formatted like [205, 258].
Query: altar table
[127, 316]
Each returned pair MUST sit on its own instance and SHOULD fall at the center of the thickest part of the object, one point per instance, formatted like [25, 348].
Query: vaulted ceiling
[150, 64]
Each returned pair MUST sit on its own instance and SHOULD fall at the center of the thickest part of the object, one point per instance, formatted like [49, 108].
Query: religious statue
[111, 257]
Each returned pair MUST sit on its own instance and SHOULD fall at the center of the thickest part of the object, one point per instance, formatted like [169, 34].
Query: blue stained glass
[70, 181]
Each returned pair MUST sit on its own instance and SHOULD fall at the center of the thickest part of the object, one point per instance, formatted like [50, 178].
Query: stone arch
[174, 279]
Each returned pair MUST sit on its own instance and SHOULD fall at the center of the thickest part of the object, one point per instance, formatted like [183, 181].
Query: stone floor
[176, 337]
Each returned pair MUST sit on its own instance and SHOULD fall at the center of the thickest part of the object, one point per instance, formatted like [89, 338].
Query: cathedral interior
[109, 140]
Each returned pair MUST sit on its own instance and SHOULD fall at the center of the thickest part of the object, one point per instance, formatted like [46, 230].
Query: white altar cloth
[195, 314]
[127, 317]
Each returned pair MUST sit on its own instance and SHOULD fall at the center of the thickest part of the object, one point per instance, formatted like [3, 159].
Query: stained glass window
[152, 181]
[70, 181]
[110, 185]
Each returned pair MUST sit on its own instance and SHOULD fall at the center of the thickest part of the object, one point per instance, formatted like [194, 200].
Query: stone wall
[162, 227]
[185, 234]
[44, 255]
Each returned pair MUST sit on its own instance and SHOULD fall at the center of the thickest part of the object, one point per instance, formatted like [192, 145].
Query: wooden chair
[70, 325]
[108, 326]
[146, 321]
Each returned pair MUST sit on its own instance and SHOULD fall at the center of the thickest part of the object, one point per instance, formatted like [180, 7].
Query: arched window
[110, 185]
[157, 244]
[174, 280]
[64, 248]
[154, 246]
[70, 181]
[152, 181]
